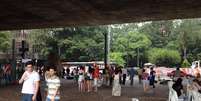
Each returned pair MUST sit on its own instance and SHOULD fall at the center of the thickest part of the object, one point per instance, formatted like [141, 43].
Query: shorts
[145, 83]
[81, 78]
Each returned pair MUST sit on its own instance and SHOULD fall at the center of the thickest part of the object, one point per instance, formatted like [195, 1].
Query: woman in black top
[178, 87]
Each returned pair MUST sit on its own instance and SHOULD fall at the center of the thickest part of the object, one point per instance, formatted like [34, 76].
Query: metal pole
[105, 49]
[108, 44]
[13, 59]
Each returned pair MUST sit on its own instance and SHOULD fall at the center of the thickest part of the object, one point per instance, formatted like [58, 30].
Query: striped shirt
[53, 83]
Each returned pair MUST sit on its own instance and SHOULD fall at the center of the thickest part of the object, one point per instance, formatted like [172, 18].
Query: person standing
[81, 79]
[145, 81]
[124, 72]
[132, 74]
[140, 75]
[120, 74]
[89, 79]
[178, 87]
[111, 72]
[68, 71]
[96, 77]
[30, 80]
[7, 73]
[152, 77]
[75, 72]
[116, 89]
[107, 76]
[177, 73]
[53, 85]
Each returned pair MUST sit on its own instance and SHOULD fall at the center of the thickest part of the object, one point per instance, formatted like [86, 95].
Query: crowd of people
[146, 76]
[183, 85]
[114, 76]
[88, 80]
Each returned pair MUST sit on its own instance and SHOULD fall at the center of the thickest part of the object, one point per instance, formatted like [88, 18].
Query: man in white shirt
[30, 80]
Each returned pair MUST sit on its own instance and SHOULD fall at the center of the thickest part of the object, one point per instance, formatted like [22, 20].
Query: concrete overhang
[30, 14]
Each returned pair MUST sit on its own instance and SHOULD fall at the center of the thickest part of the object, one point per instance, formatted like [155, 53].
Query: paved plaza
[69, 92]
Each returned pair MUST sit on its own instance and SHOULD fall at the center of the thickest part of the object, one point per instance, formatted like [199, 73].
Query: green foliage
[166, 41]
[43, 42]
[73, 44]
[185, 64]
[172, 45]
[164, 57]
[188, 35]
[5, 41]
[118, 58]
[128, 43]
[159, 32]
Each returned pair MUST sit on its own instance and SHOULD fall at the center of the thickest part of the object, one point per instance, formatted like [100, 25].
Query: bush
[164, 57]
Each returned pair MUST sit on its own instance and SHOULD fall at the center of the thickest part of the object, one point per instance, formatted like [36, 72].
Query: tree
[128, 43]
[118, 58]
[164, 57]
[42, 41]
[159, 32]
[5, 39]
[189, 32]
[83, 43]
[71, 44]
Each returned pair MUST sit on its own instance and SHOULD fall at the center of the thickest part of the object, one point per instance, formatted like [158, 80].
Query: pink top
[145, 76]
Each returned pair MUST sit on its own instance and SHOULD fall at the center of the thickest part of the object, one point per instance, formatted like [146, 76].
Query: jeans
[7, 78]
[27, 97]
[131, 78]
[48, 99]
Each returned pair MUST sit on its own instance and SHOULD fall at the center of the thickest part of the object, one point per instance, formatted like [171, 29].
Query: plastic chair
[196, 96]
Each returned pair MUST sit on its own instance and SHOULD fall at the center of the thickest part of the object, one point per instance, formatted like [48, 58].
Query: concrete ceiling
[28, 14]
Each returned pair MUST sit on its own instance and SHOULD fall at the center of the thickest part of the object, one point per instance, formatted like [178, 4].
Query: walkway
[70, 93]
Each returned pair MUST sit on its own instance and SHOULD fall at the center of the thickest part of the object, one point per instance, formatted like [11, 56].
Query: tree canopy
[5, 41]
[168, 43]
